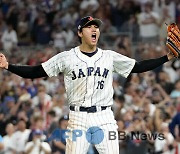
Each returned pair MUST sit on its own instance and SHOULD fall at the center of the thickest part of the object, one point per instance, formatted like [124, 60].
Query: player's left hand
[173, 39]
[170, 56]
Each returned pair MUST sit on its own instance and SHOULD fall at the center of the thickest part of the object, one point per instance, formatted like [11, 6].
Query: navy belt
[91, 109]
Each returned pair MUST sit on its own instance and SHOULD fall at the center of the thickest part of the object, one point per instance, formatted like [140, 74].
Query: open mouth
[93, 37]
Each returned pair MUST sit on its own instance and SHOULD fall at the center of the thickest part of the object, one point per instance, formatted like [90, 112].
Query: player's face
[90, 35]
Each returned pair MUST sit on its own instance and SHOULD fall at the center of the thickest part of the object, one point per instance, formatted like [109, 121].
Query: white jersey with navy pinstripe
[88, 80]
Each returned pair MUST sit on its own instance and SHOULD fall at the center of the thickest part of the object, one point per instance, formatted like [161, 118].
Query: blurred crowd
[30, 110]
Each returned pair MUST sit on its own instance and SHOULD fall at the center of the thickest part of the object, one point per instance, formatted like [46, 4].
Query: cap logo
[79, 27]
[90, 18]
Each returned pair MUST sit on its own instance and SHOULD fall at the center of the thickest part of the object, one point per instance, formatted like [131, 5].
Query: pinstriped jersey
[88, 80]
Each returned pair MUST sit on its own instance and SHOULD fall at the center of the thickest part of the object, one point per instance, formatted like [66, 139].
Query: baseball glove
[173, 39]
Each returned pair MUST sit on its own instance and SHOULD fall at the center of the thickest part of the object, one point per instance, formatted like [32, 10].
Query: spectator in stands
[148, 22]
[176, 91]
[59, 145]
[59, 37]
[174, 127]
[164, 146]
[41, 30]
[20, 137]
[7, 139]
[8, 108]
[42, 98]
[165, 82]
[37, 145]
[53, 122]
[12, 14]
[23, 28]
[30, 87]
[119, 108]
[42, 102]
[175, 122]
[37, 123]
[148, 107]
[87, 4]
[9, 38]
[59, 105]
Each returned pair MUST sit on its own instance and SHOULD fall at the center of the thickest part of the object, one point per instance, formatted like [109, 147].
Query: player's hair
[80, 41]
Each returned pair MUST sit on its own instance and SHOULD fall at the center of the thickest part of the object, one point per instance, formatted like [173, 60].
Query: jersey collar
[86, 58]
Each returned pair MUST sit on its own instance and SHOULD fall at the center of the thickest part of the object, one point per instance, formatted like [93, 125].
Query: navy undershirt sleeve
[30, 72]
[150, 64]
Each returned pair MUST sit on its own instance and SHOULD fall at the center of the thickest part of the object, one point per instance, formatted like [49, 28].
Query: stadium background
[38, 29]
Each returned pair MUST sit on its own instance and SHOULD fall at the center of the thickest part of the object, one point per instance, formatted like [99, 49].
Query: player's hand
[170, 56]
[3, 61]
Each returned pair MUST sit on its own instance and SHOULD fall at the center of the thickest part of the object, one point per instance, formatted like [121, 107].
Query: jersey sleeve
[54, 65]
[123, 65]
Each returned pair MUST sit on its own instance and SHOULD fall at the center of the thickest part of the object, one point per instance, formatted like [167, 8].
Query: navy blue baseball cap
[87, 20]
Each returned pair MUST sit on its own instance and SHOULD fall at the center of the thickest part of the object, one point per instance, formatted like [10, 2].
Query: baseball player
[88, 75]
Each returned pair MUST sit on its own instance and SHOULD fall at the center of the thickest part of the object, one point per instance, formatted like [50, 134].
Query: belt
[91, 109]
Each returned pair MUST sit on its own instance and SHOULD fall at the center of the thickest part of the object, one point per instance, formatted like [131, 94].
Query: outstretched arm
[31, 72]
[147, 65]
[23, 71]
